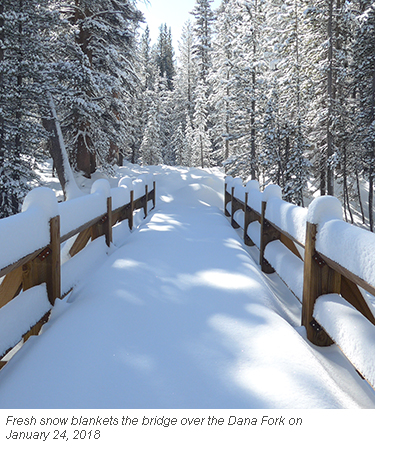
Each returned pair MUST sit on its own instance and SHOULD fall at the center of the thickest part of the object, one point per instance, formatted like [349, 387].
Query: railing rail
[293, 241]
[42, 266]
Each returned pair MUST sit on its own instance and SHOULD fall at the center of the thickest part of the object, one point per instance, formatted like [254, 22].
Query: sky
[172, 12]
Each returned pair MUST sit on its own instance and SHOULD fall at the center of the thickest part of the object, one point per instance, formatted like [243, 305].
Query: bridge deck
[179, 316]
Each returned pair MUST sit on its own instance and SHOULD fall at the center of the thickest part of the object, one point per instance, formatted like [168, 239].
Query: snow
[28, 231]
[71, 187]
[177, 314]
[288, 266]
[354, 334]
[78, 211]
[349, 246]
[324, 208]
[20, 314]
[288, 217]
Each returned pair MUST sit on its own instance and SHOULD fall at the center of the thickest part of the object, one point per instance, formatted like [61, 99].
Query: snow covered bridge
[176, 313]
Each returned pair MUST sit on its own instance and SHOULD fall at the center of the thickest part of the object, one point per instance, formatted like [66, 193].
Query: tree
[201, 148]
[26, 48]
[164, 55]
[202, 30]
[100, 122]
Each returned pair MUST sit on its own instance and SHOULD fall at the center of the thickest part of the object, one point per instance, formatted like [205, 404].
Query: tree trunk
[1, 83]
[330, 174]
[85, 159]
[359, 196]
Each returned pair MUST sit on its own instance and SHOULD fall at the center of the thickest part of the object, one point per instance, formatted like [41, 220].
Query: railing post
[45, 268]
[319, 279]
[108, 223]
[53, 262]
[146, 201]
[154, 195]
[131, 210]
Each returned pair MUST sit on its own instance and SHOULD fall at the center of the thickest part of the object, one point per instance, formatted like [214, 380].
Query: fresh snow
[177, 314]
[28, 231]
[354, 334]
[20, 314]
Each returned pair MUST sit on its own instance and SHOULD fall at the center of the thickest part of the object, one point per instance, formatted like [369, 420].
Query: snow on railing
[315, 253]
[33, 272]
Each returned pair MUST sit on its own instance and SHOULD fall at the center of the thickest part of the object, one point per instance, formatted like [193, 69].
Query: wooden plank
[318, 279]
[11, 286]
[80, 242]
[35, 329]
[352, 294]
[5, 270]
[290, 244]
[81, 228]
[351, 276]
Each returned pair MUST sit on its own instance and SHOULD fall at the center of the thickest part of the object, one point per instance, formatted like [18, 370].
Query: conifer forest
[281, 91]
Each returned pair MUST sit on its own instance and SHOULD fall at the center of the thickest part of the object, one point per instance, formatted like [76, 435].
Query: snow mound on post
[27, 231]
[252, 185]
[126, 182]
[20, 314]
[323, 209]
[351, 331]
[45, 199]
[102, 186]
[272, 191]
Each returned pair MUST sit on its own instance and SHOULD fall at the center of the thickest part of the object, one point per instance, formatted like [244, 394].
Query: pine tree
[151, 146]
[203, 31]
[201, 150]
[363, 73]
[26, 48]
[103, 89]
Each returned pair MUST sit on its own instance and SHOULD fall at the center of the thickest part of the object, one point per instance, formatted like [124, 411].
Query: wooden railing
[31, 282]
[293, 241]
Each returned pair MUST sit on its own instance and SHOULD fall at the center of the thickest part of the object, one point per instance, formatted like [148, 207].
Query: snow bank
[28, 231]
[351, 331]
[288, 217]
[287, 265]
[350, 246]
[20, 314]
[76, 269]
